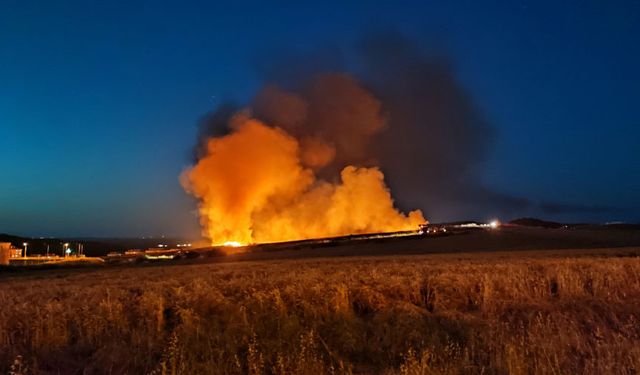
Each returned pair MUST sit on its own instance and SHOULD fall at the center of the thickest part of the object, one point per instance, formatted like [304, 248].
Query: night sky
[100, 101]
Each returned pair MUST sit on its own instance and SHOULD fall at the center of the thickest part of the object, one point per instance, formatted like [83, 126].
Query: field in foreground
[388, 315]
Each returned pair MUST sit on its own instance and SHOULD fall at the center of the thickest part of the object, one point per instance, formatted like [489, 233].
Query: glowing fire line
[231, 244]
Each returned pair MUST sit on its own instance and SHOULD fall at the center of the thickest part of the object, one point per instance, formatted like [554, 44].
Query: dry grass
[408, 315]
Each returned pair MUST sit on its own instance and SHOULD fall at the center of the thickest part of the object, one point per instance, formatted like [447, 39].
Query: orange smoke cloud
[258, 184]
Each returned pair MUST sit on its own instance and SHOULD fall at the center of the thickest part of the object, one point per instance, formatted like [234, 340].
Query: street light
[64, 253]
[25, 248]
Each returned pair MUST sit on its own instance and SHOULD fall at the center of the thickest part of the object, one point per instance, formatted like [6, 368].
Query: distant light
[494, 224]
[68, 251]
[24, 244]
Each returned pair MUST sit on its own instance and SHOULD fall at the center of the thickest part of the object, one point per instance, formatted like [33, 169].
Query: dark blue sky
[99, 101]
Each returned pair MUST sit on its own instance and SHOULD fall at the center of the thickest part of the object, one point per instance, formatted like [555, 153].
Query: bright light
[232, 244]
[24, 244]
[68, 251]
[494, 224]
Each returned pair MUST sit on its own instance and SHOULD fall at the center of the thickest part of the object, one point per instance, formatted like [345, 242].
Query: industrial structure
[7, 252]
[13, 256]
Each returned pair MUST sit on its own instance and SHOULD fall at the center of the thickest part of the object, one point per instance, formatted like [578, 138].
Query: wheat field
[370, 315]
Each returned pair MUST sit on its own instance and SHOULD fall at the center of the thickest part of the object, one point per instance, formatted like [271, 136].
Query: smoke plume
[434, 139]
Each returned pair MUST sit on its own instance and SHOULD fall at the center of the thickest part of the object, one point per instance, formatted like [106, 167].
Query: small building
[4, 253]
[7, 252]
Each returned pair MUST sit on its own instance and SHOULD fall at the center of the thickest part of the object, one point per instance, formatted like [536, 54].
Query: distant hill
[626, 226]
[538, 223]
[15, 240]
[532, 222]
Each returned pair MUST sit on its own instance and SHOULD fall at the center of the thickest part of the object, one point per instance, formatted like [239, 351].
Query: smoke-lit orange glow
[258, 185]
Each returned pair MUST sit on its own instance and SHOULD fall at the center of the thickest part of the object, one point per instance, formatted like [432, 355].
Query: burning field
[319, 188]
[293, 179]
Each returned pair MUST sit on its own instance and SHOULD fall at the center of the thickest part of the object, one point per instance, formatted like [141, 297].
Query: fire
[253, 188]
[232, 244]
[260, 183]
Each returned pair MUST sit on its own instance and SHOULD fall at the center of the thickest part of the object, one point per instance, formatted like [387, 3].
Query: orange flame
[257, 185]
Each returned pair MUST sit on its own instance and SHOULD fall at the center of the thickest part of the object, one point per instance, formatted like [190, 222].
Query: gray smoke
[437, 139]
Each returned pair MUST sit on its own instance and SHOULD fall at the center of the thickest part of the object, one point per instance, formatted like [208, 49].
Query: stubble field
[422, 314]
